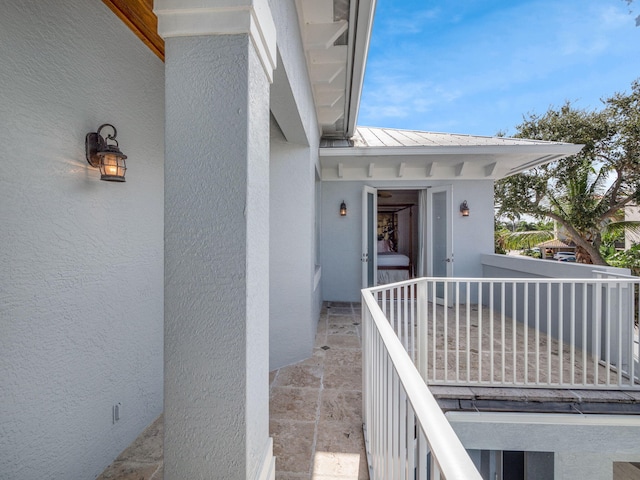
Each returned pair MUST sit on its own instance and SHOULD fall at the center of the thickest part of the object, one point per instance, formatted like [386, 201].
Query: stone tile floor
[315, 412]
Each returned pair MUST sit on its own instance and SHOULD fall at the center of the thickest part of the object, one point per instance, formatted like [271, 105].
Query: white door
[440, 244]
[369, 237]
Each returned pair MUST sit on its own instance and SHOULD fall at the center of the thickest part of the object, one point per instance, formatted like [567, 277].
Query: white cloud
[405, 22]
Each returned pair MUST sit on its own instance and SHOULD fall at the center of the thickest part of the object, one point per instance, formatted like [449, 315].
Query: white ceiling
[335, 35]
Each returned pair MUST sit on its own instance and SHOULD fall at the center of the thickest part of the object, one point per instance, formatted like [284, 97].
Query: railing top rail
[519, 280]
[447, 448]
[386, 286]
[614, 275]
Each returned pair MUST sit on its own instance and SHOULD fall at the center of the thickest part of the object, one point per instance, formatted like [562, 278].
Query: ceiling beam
[490, 169]
[139, 17]
[323, 35]
[429, 169]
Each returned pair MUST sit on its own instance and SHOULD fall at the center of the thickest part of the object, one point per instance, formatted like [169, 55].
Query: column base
[268, 468]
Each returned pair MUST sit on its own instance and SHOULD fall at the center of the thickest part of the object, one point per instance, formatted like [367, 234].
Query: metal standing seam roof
[386, 153]
[389, 137]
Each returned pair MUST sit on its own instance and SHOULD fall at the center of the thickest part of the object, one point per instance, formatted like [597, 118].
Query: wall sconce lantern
[343, 209]
[105, 155]
[464, 209]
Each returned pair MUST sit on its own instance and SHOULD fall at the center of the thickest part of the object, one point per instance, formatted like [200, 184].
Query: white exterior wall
[81, 283]
[584, 446]
[292, 309]
[341, 241]
[294, 299]
[216, 258]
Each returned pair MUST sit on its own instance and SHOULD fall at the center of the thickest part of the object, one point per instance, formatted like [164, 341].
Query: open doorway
[406, 233]
[397, 235]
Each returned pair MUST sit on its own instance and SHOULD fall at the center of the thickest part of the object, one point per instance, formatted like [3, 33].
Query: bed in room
[392, 266]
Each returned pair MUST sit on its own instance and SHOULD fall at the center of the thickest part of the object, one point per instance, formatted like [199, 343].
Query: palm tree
[581, 204]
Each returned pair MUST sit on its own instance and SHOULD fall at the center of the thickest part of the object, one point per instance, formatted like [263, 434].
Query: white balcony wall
[584, 446]
[294, 296]
[507, 266]
[510, 266]
[81, 283]
[341, 240]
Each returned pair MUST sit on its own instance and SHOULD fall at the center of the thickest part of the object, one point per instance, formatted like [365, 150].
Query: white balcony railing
[534, 332]
[407, 435]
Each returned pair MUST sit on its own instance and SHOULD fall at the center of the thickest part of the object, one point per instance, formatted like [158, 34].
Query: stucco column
[220, 56]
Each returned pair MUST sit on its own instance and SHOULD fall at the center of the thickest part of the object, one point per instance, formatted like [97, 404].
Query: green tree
[637, 19]
[521, 235]
[584, 193]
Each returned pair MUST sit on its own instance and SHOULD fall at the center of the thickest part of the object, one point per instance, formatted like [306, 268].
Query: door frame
[369, 242]
[445, 297]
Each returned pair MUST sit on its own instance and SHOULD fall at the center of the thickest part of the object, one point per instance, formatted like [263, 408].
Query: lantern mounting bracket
[102, 152]
[95, 142]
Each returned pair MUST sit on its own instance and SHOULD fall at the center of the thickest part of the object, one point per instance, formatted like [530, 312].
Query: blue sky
[477, 67]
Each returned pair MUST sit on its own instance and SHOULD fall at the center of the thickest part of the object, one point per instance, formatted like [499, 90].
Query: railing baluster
[395, 426]
[549, 342]
[423, 330]
[388, 440]
[411, 442]
[384, 303]
[457, 332]
[502, 332]
[633, 337]
[398, 301]
[607, 338]
[402, 435]
[526, 332]
[423, 468]
[405, 315]
[480, 310]
[468, 343]
[392, 309]
[413, 304]
[620, 334]
[561, 333]
[584, 334]
[435, 469]
[434, 333]
[572, 333]
[537, 305]
[491, 334]
[445, 308]
[514, 326]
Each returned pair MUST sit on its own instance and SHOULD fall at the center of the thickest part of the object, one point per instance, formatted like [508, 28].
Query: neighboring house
[179, 289]
[631, 214]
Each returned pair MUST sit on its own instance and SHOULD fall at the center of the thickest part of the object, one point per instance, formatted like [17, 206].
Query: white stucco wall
[584, 446]
[81, 282]
[341, 241]
[292, 255]
[216, 258]
[294, 299]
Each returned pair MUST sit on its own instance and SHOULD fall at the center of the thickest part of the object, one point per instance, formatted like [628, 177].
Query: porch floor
[315, 412]
[457, 347]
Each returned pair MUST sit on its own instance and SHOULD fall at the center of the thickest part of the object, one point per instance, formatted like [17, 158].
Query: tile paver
[315, 412]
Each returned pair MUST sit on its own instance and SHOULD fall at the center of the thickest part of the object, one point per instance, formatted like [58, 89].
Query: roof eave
[362, 13]
[553, 149]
